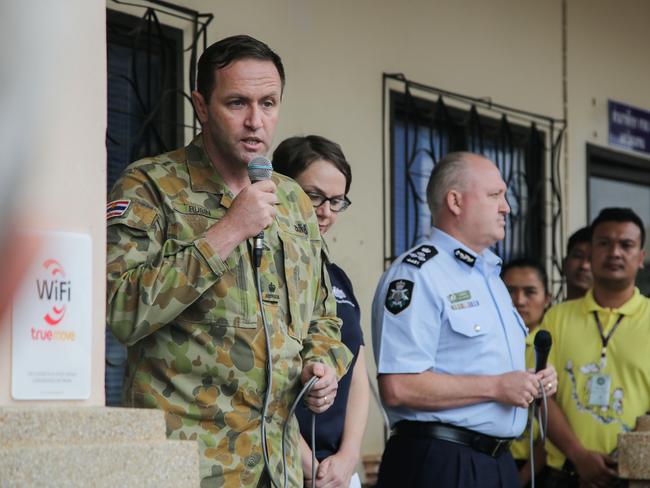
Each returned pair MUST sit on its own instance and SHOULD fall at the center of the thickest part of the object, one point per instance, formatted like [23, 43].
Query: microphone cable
[542, 421]
[267, 398]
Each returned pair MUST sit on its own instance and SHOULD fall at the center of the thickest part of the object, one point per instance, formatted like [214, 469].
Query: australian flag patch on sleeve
[417, 257]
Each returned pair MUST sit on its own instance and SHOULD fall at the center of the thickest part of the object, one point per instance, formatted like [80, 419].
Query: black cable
[543, 424]
[313, 450]
[269, 379]
[305, 389]
[267, 397]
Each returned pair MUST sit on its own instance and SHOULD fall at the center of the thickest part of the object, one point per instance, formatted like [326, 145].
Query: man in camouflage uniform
[181, 283]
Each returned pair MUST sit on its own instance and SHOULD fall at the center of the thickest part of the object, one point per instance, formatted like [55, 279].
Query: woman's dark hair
[228, 50]
[294, 155]
[528, 263]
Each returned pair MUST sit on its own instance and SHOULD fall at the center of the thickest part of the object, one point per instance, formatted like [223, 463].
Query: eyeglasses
[337, 204]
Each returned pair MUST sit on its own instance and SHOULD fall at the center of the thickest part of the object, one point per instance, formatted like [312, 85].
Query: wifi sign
[54, 288]
[51, 324]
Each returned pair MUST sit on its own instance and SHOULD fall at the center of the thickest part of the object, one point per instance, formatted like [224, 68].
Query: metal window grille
[425, 123]
[146, 103]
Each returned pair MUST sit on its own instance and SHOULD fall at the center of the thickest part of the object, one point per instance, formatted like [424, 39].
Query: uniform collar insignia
[465, 256]
[301, 228]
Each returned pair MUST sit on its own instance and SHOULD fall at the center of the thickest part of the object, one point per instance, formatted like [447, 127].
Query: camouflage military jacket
[192, 323]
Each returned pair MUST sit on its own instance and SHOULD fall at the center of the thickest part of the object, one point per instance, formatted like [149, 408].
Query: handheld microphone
[543, 342]
[259, 169]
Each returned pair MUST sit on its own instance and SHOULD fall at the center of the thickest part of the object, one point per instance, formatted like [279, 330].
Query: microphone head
[259, 169]
[543, 340]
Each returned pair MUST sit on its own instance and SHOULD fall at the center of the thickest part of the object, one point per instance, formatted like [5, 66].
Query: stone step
[643, 423]
[38, 426]
[634, 455]
[159, 464]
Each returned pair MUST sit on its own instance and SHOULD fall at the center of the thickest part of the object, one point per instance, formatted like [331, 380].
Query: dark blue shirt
[329, 424]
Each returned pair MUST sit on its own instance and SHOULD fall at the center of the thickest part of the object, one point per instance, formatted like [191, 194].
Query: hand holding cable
[321, 396]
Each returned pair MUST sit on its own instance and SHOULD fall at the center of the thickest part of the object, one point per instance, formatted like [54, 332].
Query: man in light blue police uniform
[449, 345]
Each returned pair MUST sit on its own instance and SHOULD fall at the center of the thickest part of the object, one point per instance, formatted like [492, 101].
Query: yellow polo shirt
[576, 354]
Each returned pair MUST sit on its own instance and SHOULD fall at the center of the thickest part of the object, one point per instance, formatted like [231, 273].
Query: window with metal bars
[422, 130]
[146, 103]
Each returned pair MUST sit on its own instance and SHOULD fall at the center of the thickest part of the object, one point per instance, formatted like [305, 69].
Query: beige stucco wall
[607, 59]
[62, 66]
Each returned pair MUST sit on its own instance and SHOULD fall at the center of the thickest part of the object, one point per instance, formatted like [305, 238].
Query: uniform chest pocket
[468, 325]
[231, 302]
[187, 221]
[301, 278]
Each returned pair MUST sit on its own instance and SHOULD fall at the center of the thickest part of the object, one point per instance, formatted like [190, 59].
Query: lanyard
[605, 339]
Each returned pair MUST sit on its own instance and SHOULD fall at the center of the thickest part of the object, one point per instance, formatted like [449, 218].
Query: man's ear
[642, 259]
[200, 106]
[454, 201]
[547, 301]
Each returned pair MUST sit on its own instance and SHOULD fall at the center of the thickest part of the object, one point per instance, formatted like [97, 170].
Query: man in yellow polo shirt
[600, 351]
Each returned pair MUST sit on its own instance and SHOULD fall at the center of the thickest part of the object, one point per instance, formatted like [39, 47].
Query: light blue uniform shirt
[442, 308]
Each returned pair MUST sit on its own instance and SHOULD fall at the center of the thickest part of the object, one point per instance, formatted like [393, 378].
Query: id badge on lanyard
[600, 384]
[599, 388]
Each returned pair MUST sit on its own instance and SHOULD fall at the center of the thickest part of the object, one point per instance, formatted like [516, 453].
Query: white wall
[62, 70]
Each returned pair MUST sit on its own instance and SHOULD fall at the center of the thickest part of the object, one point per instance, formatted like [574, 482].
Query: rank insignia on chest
[464, 256]
[398, 296]
[301, 228]
[417, 257]
[270, 295]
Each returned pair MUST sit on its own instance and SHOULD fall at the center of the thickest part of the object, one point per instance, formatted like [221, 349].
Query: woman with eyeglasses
[320, 168]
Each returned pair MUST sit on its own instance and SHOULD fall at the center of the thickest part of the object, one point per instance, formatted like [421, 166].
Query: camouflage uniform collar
[203, 175]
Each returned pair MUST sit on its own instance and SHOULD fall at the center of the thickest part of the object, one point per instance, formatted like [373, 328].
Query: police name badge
[599, 387]
[398, 296]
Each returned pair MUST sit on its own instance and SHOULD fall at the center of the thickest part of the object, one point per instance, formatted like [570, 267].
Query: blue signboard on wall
[629, 127]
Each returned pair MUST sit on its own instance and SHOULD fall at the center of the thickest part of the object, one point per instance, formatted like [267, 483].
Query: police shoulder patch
[398, 296]
[417, 257]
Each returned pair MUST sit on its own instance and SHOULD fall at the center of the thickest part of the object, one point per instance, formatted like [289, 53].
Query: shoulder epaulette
[417, 257]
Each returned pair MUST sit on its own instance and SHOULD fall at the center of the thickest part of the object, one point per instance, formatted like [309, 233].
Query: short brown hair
[295, 154]
[228, 50]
